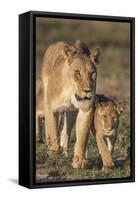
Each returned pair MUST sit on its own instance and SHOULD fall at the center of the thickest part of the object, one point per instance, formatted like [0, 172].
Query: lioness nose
[87, 90]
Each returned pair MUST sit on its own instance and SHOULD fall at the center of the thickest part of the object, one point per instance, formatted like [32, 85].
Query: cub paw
[85, 164]
[108, 167]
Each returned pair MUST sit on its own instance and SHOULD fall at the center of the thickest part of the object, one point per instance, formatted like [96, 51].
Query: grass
[113, 80]
[113, 38]
[58, 167]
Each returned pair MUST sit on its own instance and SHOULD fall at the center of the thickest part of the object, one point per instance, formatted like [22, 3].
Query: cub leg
[69, 121]
[104, 152]
[111, 143]
[83, 124]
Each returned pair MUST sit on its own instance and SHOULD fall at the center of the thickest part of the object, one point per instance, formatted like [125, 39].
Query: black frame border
[27, 50]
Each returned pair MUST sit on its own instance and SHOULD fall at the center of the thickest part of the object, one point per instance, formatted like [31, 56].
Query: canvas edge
[31, 182]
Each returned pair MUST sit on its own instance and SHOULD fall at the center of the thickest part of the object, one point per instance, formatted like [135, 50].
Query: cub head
[108, 113]
[81, 68]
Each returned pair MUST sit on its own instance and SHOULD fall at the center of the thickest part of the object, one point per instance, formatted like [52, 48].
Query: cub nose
[87, 90]
[109, 129]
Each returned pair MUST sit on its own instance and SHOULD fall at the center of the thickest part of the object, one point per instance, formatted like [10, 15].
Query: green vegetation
[58, 167]
[113, 80]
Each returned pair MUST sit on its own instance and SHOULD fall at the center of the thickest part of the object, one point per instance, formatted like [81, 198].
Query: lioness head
[82, 73]
[108, 114]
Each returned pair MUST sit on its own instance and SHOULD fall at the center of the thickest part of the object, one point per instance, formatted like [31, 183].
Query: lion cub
[105, 125]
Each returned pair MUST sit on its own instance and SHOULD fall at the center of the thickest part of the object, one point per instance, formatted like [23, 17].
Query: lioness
[69, 83]
[104, 125]
[39, 106]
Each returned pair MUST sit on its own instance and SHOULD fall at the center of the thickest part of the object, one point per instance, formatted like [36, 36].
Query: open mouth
[78, 98]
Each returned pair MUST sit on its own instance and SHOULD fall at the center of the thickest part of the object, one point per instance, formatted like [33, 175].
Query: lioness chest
[69, 102]
[63, 102]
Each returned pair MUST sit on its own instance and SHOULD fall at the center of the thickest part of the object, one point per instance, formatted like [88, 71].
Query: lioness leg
[37, 127]
[69, 120]
[51, 130]
[104, 152]
[39, 114]
[83, 124]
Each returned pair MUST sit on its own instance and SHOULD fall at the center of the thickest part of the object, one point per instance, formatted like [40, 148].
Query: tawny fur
[69, 83]
[104, 126]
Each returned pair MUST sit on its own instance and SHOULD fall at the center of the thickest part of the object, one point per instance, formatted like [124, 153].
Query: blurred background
[113, 80]
[112, 37]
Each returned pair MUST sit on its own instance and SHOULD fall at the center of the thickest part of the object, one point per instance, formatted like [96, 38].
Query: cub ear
[121, 106]
[96, 55]
[69, 52]
[82, 47]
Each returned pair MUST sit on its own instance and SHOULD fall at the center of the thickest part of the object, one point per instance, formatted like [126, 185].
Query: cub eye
[77, 72]
[105, 117]
[115, 118]
[93, 75]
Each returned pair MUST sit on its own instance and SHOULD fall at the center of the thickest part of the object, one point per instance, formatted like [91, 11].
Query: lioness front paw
[54, 148]
[79, 163]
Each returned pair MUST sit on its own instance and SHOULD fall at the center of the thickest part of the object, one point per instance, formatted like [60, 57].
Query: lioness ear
[95, 55]
[121, 106]
[82, 47]
[68, 53]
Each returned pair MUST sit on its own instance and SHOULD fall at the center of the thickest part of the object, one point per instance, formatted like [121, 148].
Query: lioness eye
[105, 117]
